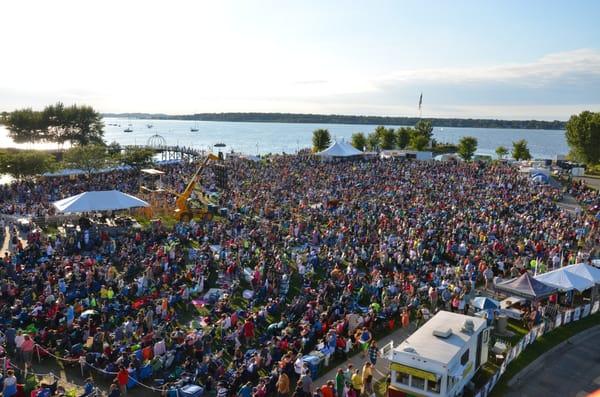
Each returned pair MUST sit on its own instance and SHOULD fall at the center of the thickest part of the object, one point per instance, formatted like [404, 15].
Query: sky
[481, 59]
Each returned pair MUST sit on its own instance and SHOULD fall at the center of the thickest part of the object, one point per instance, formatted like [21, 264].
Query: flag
[420, 101]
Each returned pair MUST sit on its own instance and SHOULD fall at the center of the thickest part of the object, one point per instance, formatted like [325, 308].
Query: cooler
[313, 365]
[191, 391]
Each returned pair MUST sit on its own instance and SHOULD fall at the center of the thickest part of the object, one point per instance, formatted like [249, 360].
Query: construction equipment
[186, 208]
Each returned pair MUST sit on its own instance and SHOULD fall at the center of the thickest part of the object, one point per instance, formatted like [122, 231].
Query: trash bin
[313, 365]
[501, 323]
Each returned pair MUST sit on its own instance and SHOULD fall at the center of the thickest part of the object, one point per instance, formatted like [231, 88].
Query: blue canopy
[527, 287]
[484, 303]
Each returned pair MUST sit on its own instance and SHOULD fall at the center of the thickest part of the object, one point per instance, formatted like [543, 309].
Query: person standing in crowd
[367, 389]
[245, 390]
[19, 339]
[27, 349]
[373, 352]
[114, 391]
[9, 384]
[283, 384]
[340, 381]
[307, 383]
[88, 387]
[357, 381]
[123, 380]
[299, 391]
[327, 389]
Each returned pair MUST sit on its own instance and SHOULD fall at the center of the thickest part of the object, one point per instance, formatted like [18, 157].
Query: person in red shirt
[248, 330]
[327, 389]
[122, 380]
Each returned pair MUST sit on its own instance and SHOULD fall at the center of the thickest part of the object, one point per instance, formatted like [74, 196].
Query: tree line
[78, 125]
[418, 138]
[348, 119]
[88, 158]
[383, 138]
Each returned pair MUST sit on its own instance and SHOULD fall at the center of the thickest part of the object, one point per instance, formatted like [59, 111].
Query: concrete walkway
[569, 369]
[382, 366]
[6, 243]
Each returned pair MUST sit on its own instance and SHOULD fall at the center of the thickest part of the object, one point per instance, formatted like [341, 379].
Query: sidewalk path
[382, 366]
[572, 369]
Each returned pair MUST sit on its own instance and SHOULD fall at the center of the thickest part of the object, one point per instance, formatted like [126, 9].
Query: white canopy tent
[104, 200]
[340, 149]
[584, 270]
[565, 280]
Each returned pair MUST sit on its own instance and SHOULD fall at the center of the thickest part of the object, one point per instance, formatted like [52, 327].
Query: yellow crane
[184, 211]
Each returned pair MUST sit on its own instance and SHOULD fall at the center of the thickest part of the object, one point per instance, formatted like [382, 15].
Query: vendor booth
[340, 150]
[440, 358]
[526, 286]
[94, 201]
[565, 281]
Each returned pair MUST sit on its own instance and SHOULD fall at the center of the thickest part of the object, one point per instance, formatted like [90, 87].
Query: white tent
[565, 280]
[448, 157]
[105, 200]
[340, 149]
[584, 270]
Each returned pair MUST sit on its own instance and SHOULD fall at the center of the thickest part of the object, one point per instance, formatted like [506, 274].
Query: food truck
[440, 358]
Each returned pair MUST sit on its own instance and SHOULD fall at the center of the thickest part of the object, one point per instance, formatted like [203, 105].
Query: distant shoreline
[346, 119]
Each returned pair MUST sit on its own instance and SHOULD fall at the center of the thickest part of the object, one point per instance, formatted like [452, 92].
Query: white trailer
[440, 358]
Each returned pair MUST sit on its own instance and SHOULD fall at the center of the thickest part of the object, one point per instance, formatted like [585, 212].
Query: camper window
[434, 387]
[465, 358]
[417, 383]
[402, 377]
[485, 336]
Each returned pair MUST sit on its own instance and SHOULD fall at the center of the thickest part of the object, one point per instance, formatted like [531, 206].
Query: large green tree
[373, 141]
[467, 147]
[418, 142]
[136, 156]
[501, 151]
[387, 138]
[26, 163]
[403, 135]
[520, 150]
[26, 126]
[359, 140]
[80, 125]
[321, 140]
[424, 128]
[583, 137]
[88, 158]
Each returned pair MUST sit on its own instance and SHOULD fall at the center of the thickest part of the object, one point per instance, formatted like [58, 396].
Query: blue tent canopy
[527, 287]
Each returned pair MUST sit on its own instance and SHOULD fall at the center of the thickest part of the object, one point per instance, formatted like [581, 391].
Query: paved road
[571, 371]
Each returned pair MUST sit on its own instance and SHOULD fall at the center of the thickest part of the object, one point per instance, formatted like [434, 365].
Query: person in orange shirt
[405, 318]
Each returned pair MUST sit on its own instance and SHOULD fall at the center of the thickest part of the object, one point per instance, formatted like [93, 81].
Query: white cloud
[546, 69]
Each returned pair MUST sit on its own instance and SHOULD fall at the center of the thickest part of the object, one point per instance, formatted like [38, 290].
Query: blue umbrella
[484, 303]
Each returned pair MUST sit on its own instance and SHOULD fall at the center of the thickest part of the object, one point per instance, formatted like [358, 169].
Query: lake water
[253, 138]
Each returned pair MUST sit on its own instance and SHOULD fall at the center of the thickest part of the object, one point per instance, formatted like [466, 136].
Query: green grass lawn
[540, 346]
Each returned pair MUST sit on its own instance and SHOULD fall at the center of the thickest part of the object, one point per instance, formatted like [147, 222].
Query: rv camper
[440, 358]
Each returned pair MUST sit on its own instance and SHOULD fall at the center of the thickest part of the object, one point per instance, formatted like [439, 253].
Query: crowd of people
[312, 261]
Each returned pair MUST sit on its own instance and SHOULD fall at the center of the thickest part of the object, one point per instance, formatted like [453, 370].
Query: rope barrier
[71, 360]
[38, 347]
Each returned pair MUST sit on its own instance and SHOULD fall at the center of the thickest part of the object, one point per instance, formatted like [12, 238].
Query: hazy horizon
[508, 60]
